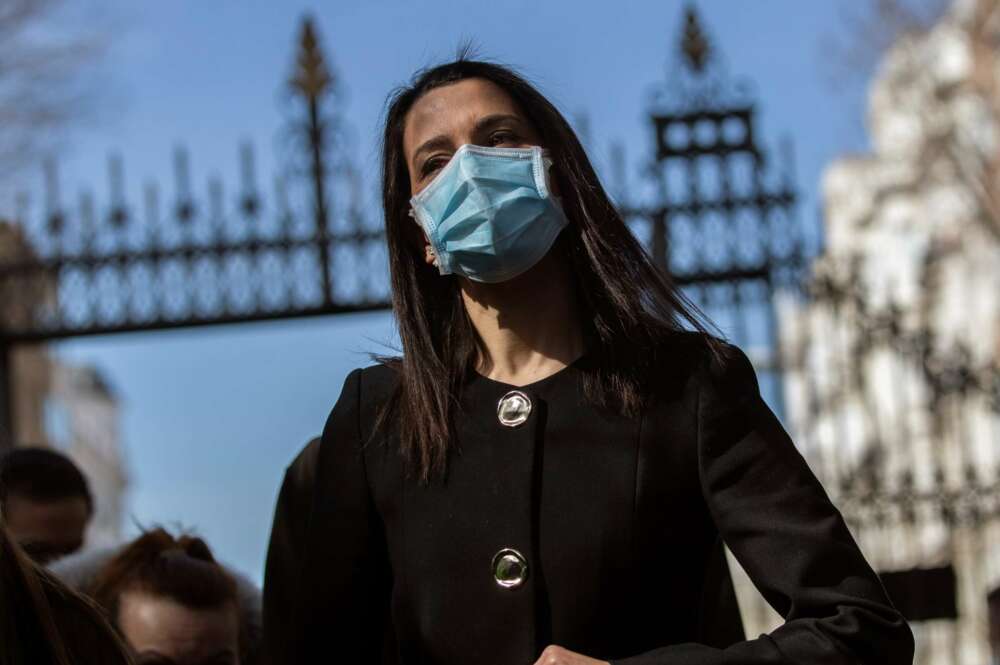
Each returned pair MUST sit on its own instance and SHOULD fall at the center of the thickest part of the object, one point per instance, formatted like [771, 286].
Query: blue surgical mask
[489, 214]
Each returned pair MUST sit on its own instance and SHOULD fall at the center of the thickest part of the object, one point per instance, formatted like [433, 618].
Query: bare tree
[46, 83]
[982, 167]
[869, 27]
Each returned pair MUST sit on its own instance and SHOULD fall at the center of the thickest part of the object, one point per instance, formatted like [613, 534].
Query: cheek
[14, 522]
[54, 522]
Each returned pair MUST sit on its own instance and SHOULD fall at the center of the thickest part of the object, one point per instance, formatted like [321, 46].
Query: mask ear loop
[439, 257]
[540, 164]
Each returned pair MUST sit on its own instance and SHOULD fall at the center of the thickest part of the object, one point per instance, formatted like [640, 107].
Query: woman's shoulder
[370, 384]
[378, 381]
[701, 361]
[363, 399]
[723, 388]
[708, 383]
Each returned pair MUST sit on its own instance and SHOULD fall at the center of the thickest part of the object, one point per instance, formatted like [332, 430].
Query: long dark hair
[629, 306]
[42, 622]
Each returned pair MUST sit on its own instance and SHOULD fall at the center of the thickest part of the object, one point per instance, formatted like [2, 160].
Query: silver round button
[510, 568]
[513, 408]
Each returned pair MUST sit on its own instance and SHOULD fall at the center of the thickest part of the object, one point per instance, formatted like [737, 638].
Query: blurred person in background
[42, 622]
[45, 501]
[82, 571]
[172, 602]
[550, 471]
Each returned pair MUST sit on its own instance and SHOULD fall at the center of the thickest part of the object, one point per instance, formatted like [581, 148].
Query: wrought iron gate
[716, 214]
[85, 269]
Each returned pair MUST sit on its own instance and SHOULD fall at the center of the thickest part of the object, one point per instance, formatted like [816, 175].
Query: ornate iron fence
[307, 250]
[716, 213]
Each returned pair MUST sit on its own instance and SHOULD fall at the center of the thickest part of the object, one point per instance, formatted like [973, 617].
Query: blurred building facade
[83, 419]
[70, 408]
[29, 363]
[892, 360]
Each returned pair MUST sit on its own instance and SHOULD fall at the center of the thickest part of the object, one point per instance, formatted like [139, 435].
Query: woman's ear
[430, 258]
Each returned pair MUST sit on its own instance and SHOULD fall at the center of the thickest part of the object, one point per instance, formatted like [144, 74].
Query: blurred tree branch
[44, 82]
[982, 167]
[869, 27]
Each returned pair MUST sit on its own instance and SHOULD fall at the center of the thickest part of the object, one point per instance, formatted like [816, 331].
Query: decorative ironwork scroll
[716, 216]
[191, 260]
[308, 248]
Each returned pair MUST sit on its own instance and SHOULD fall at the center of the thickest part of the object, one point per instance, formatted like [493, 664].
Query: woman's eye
[432, 165]
[496, 138]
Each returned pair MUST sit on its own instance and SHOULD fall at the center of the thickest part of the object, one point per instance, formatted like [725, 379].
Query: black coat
[620, 522]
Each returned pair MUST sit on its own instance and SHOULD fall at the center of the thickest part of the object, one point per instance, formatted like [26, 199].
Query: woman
[549, 472]
[44, 623]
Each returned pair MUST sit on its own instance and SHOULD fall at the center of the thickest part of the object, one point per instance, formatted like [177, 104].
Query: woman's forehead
[454, 109]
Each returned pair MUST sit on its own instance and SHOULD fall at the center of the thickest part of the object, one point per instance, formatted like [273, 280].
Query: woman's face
[474, 111]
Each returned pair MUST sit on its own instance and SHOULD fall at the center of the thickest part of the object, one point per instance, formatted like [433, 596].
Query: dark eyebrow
[490, 121]
[438, 142]
[482, 125]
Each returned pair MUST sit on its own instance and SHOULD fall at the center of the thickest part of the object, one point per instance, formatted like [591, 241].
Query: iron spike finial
[694, 42]
[311, 77]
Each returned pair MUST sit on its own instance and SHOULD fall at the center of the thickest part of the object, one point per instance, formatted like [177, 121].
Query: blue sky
[211, 417]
